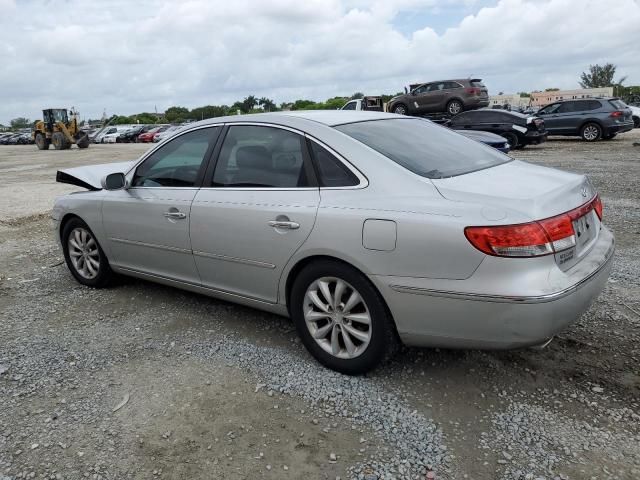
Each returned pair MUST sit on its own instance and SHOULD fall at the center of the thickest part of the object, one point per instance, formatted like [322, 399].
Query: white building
[513, 100]
[540, 99]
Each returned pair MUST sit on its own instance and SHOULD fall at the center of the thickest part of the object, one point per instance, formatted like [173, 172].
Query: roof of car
[326, 117]
[497, 110]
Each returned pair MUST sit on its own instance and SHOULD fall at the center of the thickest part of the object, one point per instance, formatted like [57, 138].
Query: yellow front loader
[57, 129]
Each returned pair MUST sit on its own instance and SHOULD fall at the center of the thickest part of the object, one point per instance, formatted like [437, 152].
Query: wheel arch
[591, 120]
[64, 220]
[301, 263]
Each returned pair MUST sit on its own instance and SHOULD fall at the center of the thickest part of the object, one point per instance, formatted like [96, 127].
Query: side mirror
[114, 181]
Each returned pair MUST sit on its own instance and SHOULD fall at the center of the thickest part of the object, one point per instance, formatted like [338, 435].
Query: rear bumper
[620, 128]
[471, 314]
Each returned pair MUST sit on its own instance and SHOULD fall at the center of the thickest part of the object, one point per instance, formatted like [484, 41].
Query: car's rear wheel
[512, 139]
[341, 318]
[591, 132]
[84, 256]
[454, 107]
[400, 109]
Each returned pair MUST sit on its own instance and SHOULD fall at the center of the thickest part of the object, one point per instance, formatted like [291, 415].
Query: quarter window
[177, 163]
[331, 171]
[263, 157]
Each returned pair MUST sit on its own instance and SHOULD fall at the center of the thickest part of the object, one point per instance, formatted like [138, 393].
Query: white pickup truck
[365, 103]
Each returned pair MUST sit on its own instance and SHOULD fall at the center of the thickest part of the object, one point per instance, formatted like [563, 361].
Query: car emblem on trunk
[584, 192]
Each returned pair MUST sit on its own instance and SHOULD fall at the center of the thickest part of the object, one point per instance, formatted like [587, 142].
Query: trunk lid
[90, 177]
[536, 192]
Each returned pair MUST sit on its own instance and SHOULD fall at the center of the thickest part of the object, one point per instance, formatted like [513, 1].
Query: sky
[126, 57]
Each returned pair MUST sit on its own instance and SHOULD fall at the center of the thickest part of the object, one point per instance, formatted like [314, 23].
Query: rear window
[619, 104]
[476, 83]
[423, 147]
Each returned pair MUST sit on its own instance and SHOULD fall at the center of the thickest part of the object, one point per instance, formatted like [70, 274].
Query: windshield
[423, 147]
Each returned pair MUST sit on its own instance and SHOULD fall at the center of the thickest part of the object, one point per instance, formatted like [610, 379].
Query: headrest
[291, 145]
[253, 156]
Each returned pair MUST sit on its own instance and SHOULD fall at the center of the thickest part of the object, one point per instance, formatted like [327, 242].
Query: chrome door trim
[550, 297]
[149, 245]
[245, 261]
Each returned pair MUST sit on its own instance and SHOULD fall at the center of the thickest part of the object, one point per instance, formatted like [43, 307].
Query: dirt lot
[143, 381]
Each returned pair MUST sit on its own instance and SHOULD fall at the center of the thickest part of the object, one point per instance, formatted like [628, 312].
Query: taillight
[617, 113]
[533, 239]
[597, 206]
[473, 91]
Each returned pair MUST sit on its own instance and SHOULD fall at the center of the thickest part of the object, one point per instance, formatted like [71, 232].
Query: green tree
[267, 104]
[551, 89]
[209, 111]
[524, 94]
[356, 96]
[600, 76]
[304, 105]
[249, 103]
[176, 114]
[20, 122]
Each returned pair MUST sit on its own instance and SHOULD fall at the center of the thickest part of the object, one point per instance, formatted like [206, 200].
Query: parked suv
[590, 118]
[451, 96]
[518, 129]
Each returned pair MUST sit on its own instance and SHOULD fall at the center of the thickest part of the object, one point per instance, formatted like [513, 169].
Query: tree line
[596, 76]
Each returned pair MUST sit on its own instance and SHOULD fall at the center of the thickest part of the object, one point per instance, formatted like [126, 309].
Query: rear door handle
[175, 215]
[284, 225]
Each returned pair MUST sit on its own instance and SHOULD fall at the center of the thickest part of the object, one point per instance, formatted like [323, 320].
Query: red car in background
[147, 137]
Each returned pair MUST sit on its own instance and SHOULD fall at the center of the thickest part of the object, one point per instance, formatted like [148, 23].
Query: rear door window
[423, 147]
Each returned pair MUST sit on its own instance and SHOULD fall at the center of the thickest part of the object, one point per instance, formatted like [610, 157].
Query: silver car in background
[364, 227]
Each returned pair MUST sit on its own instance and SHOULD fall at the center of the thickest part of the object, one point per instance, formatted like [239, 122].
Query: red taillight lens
[534, 239]
[524, 240]
[597, 206]
[617, 113]
[473, 91]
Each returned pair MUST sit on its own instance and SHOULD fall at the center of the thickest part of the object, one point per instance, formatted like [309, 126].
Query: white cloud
[132, 56]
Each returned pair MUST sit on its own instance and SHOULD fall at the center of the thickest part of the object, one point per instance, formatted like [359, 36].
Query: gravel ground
[144, 381]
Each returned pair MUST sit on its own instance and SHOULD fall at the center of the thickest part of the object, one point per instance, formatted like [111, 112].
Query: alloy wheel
[84, 253]
[337, 317]
[591, 132]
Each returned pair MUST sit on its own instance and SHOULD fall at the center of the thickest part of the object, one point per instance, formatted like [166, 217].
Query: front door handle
[175, 215]
[284, 225]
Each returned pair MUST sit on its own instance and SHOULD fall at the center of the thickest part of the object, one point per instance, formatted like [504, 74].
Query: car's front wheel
[591, 132]
[341, 318]
[84, 256]
[400, 109]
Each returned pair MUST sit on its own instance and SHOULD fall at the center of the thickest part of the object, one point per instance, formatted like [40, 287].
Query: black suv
[590, 118]
[518, 129]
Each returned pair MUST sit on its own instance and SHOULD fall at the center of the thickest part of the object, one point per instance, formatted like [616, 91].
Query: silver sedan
[367, 229]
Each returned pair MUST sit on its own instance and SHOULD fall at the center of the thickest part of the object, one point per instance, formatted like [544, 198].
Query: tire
[636, 122]
[591, 132]
[83, 141]
[512, 139]
[372, 342]
[58, 140]
[454, 107]
[400, 109]
[42, 142]
[84, 256]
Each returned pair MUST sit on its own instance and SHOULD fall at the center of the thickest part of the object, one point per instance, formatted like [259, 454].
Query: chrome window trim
[362, 179]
